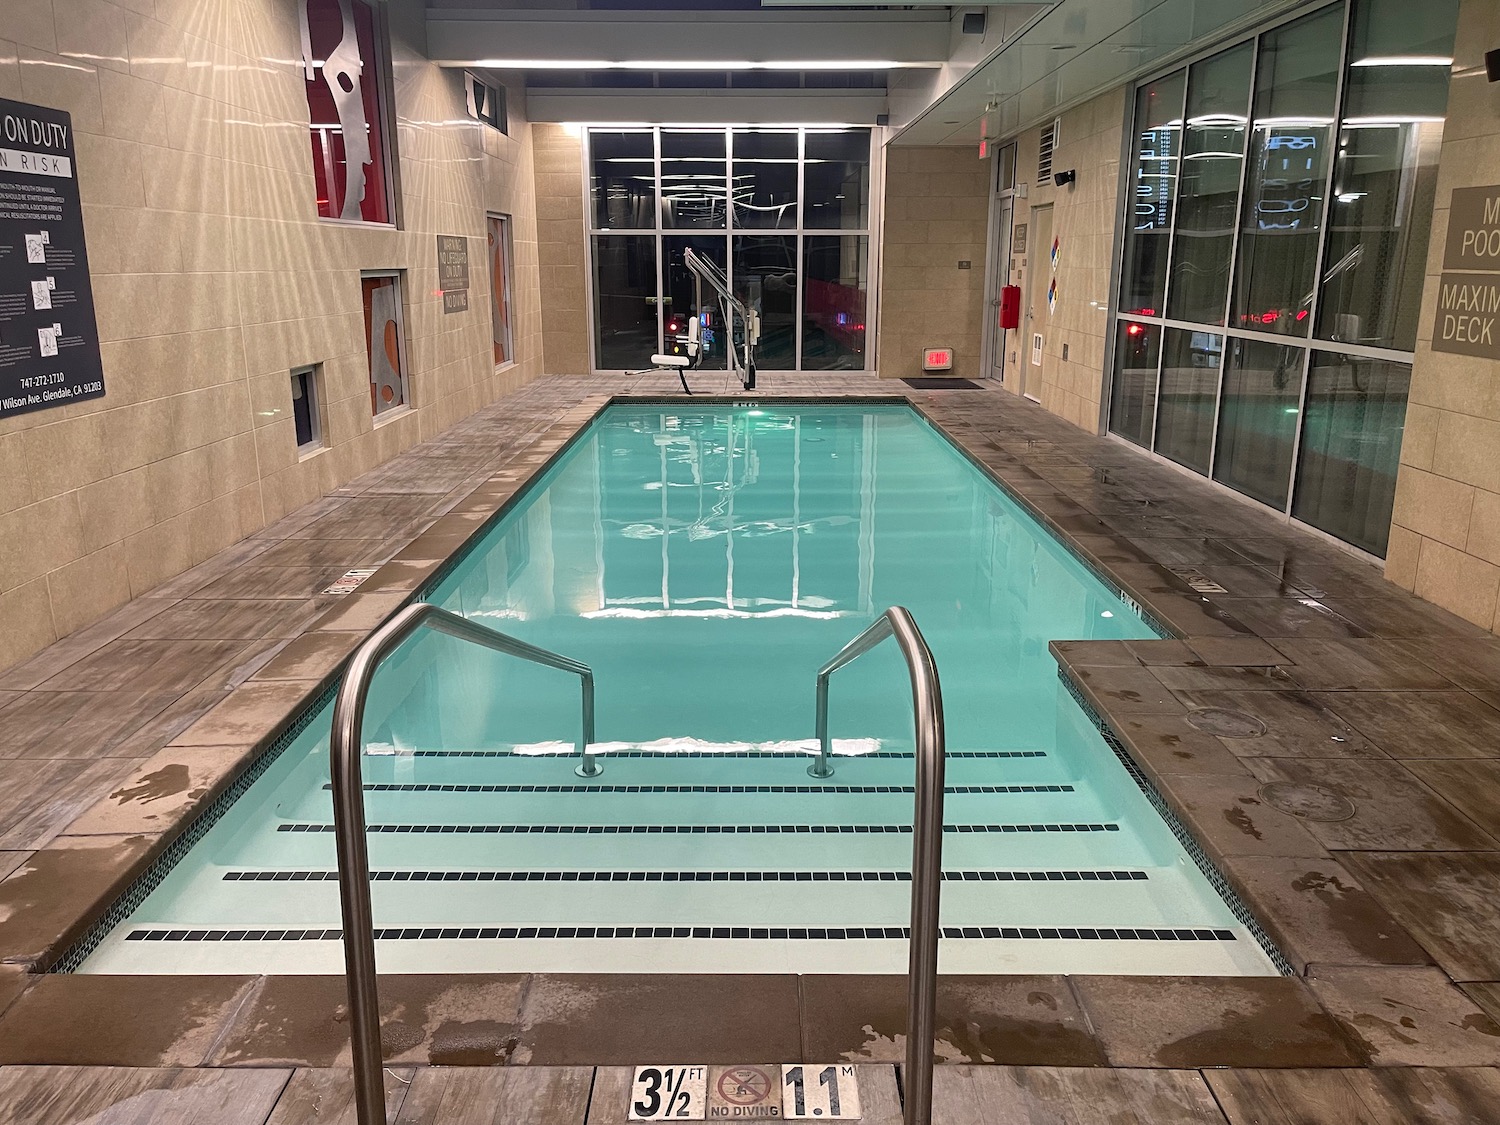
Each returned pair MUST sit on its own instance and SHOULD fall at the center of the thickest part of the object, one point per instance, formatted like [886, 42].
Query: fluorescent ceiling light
[1403, 60]
[704, 64]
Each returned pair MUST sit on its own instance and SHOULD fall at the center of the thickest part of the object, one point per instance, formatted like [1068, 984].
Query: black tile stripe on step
[752, 933]
[437, 787]
[688, 829]
[688, 876]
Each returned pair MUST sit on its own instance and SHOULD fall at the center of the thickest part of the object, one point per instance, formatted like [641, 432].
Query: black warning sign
[49, 342]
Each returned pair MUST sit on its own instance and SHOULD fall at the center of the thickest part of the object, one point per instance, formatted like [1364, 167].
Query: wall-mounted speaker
[1492, 64]
[974, 23]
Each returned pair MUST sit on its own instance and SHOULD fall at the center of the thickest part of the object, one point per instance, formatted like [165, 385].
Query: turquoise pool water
[704, 561]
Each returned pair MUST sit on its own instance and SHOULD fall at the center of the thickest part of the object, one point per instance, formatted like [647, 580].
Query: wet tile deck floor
[1328, 738]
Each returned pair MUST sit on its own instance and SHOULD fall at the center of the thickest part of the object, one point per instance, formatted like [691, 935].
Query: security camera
[1063, 179]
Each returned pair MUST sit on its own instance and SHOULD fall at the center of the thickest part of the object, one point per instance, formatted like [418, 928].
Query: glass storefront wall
[1274, 254]
[786, 213]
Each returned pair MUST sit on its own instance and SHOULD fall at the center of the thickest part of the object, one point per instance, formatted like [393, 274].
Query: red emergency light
[937, 359]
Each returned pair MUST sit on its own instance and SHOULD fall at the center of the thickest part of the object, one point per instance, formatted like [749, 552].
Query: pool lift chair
[741, 328]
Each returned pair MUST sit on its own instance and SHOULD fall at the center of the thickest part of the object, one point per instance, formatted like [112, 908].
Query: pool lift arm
[741, 354]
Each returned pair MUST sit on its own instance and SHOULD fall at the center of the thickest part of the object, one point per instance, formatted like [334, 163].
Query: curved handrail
[927, 837]
[344, 753]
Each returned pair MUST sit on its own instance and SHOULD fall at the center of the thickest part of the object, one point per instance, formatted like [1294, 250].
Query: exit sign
[937, 359]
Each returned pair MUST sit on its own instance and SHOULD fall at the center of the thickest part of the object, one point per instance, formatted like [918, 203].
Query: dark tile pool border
[1185, 839]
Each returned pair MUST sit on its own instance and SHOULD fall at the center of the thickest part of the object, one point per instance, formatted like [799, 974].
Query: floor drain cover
[1307, 802]
[1224, 723]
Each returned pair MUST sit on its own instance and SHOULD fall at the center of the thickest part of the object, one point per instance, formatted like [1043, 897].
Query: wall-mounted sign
[1468, 306]
[49, 342]
[1473, 230]
[1018, 239]
[453, 272]
[1468, 310]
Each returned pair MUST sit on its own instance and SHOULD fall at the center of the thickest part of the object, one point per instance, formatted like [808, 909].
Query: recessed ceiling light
[950, 122]
[1065, 46]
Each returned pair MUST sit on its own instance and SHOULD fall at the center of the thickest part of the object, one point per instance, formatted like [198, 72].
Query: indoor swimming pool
[704, 561]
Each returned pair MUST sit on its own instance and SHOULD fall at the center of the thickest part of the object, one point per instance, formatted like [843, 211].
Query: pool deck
[1332, 742]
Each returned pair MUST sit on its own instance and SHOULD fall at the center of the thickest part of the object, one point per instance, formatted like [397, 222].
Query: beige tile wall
[936, 215]
[1084, 221]
[1445, 530]
[563, 247]
[213, 277]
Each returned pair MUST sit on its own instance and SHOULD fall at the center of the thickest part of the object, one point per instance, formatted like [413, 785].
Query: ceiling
[1069, 53]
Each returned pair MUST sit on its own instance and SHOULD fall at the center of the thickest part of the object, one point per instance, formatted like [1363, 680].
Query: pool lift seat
[741, 328]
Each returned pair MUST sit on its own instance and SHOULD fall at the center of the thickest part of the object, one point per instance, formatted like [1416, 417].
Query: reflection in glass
[623, 180]
[765, 278]
[1158, 115]
[834, 295]
[679, 290]
[837, 179]
[1386, 172]
[694, 178]
[764, 187]
[1132, 393]
[1213, 153]
[1258, 418]
[624, 300]
[1189, 388]
[1295, 87]
[1351, 446]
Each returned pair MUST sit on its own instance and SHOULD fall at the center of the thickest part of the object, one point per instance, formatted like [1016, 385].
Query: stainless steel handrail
[349, 817]
[927, 837]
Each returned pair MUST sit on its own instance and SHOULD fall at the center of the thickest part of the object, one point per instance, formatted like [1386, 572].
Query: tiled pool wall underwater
[444, 580]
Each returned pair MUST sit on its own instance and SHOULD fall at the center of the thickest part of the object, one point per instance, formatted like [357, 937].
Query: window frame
[800, 232]
[507, 227]
[500, 122]
[403, 372]
[1310, 344]
[384, 124]
[312, 376]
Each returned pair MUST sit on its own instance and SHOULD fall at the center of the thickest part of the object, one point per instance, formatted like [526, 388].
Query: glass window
[1158, 115]
[486, 102]
[1351, 446]
[1385, 174]
[345, 110]
[307, 422]
[765, 278]
[694, 178]
[623, 180]
[1188, 395]
[1132, 400]
[835, 290]
[497, 231]
[1209, 185]
[625, 283]
[837, 179]
[1258, 418]
[385, 347]
[1296, 84]
[765, 179]
[680, 291]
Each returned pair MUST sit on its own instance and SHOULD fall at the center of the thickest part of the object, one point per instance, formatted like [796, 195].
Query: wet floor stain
[168, 781]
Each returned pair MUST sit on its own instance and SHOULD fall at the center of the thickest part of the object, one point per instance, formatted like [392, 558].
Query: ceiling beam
[703, 40]
[705, 107]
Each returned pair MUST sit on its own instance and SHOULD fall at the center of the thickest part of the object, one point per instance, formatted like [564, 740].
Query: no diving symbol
[745, 1091]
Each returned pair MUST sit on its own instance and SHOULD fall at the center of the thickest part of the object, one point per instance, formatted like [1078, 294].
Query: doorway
[1038, 280]
[1000, 249]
